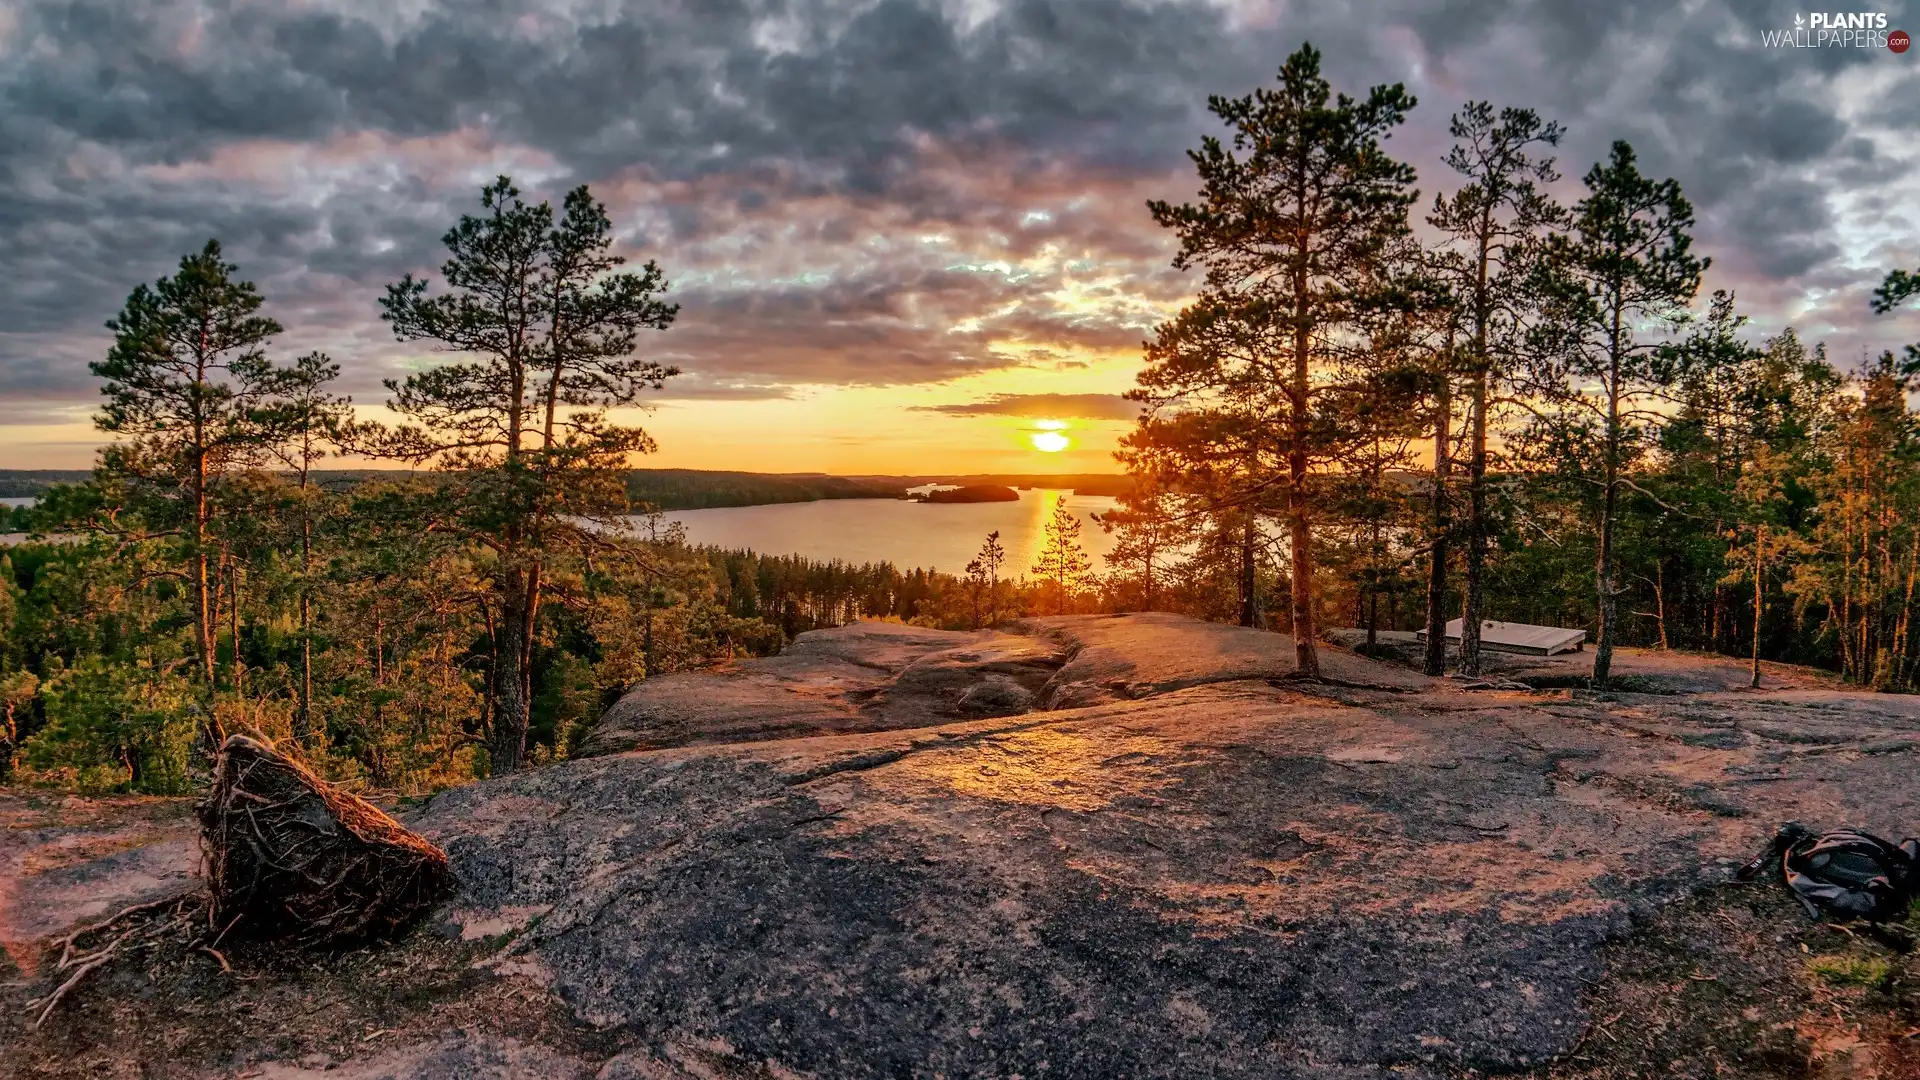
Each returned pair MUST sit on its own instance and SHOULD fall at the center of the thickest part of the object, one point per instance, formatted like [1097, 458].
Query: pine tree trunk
[1475, 607]
[379, 705]
[205, 615]
[1436, 659]
[233, 625]
[1603, 561]
[204, 603]
[1248, 608]
[1373, 570]
[1472, 613]
[306, 735]
[1306, 655]
[1660, 604]
[507, 740]
[1759, 597]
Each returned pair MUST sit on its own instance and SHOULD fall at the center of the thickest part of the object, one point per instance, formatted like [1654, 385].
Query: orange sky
[841, 430]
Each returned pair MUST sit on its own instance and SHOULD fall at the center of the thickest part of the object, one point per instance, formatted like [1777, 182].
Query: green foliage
[1634, 464]
[1150, 534]
[1625, 262]
[116, 726]
[1296, 226]
[548, 324]
[1062, 563]
[1493, 228]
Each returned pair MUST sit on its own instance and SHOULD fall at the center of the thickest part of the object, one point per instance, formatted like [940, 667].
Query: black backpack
[1843, 875]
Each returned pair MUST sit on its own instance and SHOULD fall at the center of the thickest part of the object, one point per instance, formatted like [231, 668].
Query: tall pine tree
[190, 392]
[1290, 226]
[1625, 264]
[1493, 226]
[549, 323]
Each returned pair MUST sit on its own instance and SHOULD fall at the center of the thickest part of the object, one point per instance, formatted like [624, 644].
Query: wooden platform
[1521, 637]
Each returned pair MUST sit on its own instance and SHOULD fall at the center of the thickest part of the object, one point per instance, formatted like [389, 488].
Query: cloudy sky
[902, 232]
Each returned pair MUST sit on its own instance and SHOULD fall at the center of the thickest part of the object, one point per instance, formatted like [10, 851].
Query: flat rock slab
[1212, 871]
[869, 676]
[1221, 880]
[1116, 657]
[66, 860]
[875, 676]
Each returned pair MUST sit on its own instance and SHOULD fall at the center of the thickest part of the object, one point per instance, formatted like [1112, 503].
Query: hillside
[1089, 847]
[28, 483]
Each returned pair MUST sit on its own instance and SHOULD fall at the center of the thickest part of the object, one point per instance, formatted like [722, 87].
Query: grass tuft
[1849, 970]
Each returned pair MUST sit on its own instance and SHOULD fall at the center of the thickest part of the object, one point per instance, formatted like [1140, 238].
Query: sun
[1048, 438]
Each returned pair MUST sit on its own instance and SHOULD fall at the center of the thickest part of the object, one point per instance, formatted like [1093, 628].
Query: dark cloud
[1044, 406]
[857, 192]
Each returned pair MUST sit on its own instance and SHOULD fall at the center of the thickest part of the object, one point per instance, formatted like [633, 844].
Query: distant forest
[681, 489]
[1527, 410]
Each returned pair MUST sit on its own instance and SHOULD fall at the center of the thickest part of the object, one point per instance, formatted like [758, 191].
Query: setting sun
[1049, 440]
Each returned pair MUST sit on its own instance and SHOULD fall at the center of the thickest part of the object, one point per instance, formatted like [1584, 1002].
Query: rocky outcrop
[1210, 872]
[1120, 657]
[1178, 861]
[886, 677]
[865, 677]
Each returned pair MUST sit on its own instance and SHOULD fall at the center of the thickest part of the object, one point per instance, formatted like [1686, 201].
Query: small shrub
[115, 727]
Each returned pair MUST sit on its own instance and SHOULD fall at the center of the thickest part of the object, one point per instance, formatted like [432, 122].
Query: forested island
[971, 493]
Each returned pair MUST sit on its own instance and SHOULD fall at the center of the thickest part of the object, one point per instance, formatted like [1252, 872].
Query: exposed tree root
[129, 940]
[293, 858]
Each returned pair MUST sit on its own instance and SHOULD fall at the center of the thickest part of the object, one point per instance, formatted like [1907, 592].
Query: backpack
[1843, 875]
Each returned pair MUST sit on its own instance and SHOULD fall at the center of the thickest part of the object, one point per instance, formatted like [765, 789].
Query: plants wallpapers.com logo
[1838, 29]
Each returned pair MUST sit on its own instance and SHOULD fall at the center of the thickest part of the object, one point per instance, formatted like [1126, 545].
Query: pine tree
[1215, 406]
[1627, 261]
[1899, 287]
[189, 388]
[549, 322]
[1062, 562]
[1149, 532]
[1868, 528]
[1289, 224]
[976, 586]
[311, 419]
[1494, 224]
[991, 558]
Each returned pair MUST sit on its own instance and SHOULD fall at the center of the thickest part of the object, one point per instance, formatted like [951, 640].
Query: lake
[941, 536]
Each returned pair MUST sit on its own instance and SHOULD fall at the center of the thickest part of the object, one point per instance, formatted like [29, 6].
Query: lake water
[942, 536]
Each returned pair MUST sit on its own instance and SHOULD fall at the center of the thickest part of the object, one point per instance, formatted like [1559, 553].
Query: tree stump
[290, 857]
